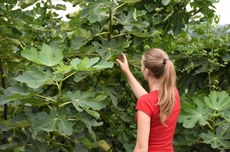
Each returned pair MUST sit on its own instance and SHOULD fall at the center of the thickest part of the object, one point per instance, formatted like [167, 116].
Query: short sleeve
[143, 104]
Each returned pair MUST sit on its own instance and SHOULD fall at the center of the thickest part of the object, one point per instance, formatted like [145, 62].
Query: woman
[158, 110]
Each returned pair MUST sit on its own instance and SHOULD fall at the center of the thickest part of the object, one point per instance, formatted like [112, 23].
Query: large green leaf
[15, 92]
[87, 100]
[47, 56]
[197, 114]
[114, 47]
[44, 122]
[16, 122]
[80, 37]
[51, 122]
[92, 61]
[103, 65]
[87, 64]
[96, 11]
[35, 79]
[130, 23]
[218, 100]
[65, 127]
[216, 140]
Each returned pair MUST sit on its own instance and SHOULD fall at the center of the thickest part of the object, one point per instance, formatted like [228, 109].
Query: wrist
[127, 73]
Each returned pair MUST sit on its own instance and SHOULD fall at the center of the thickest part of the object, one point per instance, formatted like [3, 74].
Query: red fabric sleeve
[144, 105]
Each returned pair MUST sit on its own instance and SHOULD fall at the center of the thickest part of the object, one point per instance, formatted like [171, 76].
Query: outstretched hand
[137, 89]
[123, 62]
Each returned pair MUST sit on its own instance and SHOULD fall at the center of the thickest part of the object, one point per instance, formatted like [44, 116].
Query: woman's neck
[154, 84]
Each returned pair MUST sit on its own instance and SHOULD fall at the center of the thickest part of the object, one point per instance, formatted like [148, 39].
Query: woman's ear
[147, 71]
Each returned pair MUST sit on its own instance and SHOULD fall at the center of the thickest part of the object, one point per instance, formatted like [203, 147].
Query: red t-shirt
[161, 136]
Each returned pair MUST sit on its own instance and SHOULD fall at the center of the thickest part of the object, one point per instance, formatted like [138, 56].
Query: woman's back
[161, 135]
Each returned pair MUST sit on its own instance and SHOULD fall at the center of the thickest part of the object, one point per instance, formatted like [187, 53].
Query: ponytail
[166, 96]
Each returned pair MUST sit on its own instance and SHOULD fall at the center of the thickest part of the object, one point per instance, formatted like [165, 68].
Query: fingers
[123, 58]
[123, 62]
[119, 61]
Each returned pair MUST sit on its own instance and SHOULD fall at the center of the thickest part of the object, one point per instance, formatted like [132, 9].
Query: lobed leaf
[51, 122]
[216, 140]
[80, 38]
[96, 11]
[218, 101]
[65, 127]
[14, 93]
[106, 49]
[92, 61]
[35, 79]
[87, 64]
[48, 56]
[45, 122]
[103, 65]
[86, 100]
[197, 114]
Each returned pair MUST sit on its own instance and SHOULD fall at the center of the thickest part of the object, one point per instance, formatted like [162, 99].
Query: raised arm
[137, 89]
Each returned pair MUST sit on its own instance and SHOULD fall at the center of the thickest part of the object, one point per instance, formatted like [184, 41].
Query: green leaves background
[207, 112]
[61, 89]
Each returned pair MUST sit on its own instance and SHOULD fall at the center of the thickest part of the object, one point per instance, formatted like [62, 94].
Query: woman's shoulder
[151, 96]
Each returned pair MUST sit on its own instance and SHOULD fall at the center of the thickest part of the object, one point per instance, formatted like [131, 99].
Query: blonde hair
[162, 68]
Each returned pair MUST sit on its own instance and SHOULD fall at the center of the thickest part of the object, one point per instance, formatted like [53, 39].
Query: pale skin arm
[143, 130]
[137, 89]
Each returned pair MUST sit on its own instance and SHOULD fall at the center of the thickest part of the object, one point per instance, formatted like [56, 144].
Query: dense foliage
[61, 89]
